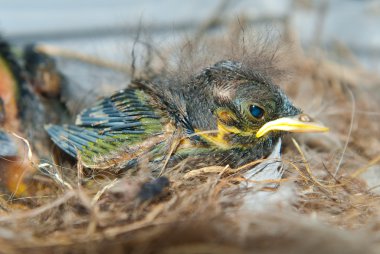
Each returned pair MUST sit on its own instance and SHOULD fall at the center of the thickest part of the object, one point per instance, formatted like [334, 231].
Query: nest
[326, 203]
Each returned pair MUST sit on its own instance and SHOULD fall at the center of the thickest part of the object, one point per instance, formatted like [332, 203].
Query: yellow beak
[298, 123]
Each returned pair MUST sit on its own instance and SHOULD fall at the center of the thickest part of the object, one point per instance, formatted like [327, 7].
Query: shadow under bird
[227, 114]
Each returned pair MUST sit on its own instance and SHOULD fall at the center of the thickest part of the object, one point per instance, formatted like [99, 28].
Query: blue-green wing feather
[110, 127]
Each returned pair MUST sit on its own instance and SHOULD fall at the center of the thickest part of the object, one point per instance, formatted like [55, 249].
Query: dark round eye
[256, 111]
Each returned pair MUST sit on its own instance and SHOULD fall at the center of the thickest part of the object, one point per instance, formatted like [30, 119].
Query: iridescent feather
[115, 132]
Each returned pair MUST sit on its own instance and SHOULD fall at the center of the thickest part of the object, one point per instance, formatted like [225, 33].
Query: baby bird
[227, 114]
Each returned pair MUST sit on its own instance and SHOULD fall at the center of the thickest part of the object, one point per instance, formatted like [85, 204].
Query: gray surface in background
[106, 27]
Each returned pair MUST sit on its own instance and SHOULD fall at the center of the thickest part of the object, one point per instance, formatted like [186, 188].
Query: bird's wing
[8, 147]
[116, 130]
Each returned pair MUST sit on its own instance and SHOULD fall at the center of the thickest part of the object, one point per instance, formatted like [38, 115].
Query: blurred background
[107, 27]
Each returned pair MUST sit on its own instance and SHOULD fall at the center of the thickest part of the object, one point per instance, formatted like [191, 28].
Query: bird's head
[246, 107]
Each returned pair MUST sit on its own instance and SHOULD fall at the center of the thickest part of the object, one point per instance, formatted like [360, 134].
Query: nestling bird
[227, 114]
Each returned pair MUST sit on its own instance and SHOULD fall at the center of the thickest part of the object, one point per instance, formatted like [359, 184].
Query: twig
[204, 170]
[102, 191]
[45, 168]
[173, 147]
[30, 154]
[37, 211]
[307, 166]
[349, 130]
[365, 168]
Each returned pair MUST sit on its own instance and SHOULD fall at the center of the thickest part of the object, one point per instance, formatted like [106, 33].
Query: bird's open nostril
[305, 118]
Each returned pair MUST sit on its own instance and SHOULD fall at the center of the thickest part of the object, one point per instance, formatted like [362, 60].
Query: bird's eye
[256, 111]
